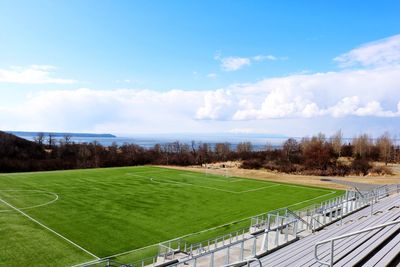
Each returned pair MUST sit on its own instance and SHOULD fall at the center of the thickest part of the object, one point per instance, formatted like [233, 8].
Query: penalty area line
[49, 229]
[212, 188]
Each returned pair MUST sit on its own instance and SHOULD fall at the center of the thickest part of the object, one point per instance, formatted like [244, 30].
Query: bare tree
[362, 145]
[67, 139]
[244, 147]
[316, 152]
[337, 142]
[269, 147]
[51, 140]
[222, 151]
[290, 149]
[385, 146]
[39, 139]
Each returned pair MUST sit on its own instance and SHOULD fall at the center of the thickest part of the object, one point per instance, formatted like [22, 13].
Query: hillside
[16, 154]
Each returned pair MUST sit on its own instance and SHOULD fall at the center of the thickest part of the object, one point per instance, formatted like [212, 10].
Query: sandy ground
[301, 179]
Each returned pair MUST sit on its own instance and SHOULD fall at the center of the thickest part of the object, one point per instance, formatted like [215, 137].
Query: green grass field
[114, 210]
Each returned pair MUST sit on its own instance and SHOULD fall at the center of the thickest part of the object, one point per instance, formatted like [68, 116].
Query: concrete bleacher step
[356, 256]
[350, 251]
[387, 255]
[301, 253]
[298, 251]
[344, 247]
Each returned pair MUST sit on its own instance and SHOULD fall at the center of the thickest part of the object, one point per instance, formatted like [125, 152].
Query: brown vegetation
[317, 155]
[324, 156]
[307, 180]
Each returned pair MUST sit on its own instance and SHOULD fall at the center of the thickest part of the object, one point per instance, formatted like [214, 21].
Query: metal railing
[107, 263]
[245, 262]
[245, 248]
[332, 240]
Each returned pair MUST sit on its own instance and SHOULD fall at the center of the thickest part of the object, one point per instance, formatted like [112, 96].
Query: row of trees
[315, 155]
[333, 155]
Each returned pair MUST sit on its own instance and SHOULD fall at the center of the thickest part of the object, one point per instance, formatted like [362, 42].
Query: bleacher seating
[376, 248]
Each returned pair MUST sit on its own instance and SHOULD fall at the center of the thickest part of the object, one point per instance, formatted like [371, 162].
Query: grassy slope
[108, 211]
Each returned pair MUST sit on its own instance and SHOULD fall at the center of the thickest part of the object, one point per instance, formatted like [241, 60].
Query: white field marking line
[301, 202]
[186, 184]
[84, 264]
[222, 180]
[231, 180]
[202, 186]
[133, 173]
[212, 188]
[35, 206]
[256, 189]
[49, 229]
[209, 229]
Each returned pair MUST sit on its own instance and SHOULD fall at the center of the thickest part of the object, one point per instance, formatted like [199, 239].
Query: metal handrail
[241, 263]
[332, 240]
[304, 221]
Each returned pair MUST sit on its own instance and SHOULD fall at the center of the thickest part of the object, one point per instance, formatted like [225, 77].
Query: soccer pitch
[63, 218]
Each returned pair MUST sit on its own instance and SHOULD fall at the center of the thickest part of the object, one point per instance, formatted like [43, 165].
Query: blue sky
[199, 66]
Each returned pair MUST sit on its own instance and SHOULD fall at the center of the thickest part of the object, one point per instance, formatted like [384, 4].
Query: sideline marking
[49, 229]
[304, 201]
[35, 206]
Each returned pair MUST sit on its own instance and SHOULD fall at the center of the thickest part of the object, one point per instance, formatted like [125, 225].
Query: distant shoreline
[56, 134]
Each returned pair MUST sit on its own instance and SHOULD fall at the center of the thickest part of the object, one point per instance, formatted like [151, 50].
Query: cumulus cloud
[263, 57]
[215, 106]
[35, 74]
[334, 94]
[371, 93]
[368, 95]
[86, 109]
[236, 63]
[379, 53]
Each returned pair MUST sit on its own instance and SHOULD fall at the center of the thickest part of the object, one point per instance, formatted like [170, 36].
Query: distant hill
[22, 133]
[16, 148]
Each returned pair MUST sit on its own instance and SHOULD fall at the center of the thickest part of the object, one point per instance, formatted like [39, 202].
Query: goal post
[211, 169]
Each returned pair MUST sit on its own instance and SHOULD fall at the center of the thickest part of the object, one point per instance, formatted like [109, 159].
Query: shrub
[252, 164]
[382, 170]
[360, 166]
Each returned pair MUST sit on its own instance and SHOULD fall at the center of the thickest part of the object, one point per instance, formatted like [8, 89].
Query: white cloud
[334, 94]
[234, 63]
[346, 106]
[371, 93]
[379, 53]
[263, 58]
[243, 130]
[215, 105]
[128, 81]
[119, 110]
[35, 74]
[362, 97]
[212, 75]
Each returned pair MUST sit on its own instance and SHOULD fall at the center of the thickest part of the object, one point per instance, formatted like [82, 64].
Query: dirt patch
[297, 179]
